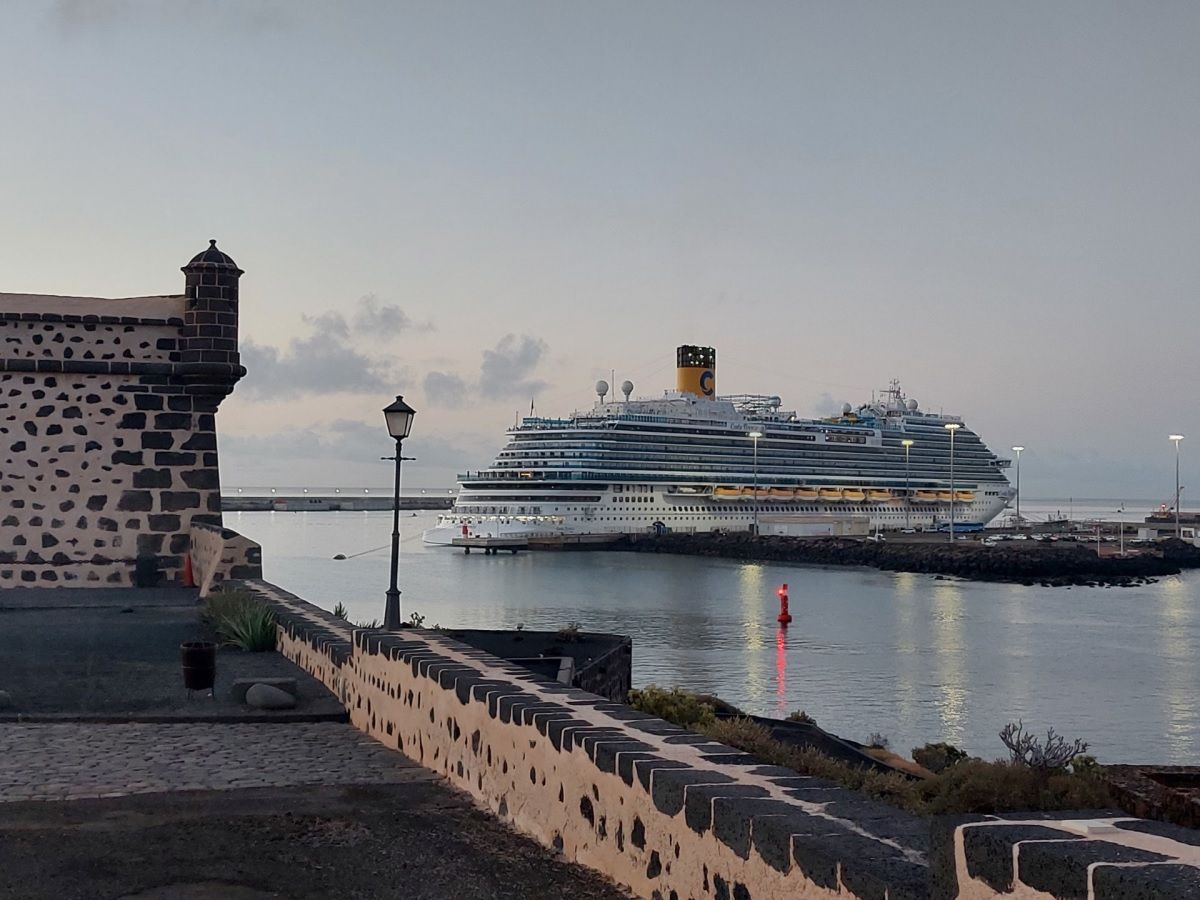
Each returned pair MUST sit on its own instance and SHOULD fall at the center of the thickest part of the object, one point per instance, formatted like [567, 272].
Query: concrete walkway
[75, 761]
[243, 811]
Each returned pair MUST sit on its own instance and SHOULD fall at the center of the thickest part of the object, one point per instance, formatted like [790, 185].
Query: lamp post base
[391, 611]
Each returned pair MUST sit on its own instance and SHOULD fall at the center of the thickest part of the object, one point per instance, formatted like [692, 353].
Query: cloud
[446, 389]
[369, 318]
[506, 369]
[383, 319]
[320, 364]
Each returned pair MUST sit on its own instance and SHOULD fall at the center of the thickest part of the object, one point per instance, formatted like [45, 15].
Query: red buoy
[784, 616]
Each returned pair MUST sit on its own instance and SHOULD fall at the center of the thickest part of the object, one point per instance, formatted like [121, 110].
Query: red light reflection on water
[781, 669]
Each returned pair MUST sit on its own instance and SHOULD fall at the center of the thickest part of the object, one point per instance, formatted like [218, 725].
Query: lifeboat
[806, 493]
[964, 496]
[926, 496]
[781, 494]
[878, 494]
[727, 493]
[945, 496]
[830, 493]
[854, 494]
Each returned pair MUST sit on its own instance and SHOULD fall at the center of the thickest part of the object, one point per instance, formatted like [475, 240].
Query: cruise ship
[695, 461]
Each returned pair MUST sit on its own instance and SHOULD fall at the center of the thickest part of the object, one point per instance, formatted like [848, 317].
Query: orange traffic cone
[189, 580]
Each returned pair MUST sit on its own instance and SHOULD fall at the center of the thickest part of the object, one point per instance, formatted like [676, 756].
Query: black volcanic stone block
[176, 501]
[769, 829]
[152, 478]
[157, 440]
[1162, 882]
[606, 753]
[686, 738]
[989, 850]
[1061, 869]
[135, 501]
[668, 786]
[891, 879]
[530, 712]
[698, 801]
[645, 769]
[556, 726]
[583, 737]
[1162, 829]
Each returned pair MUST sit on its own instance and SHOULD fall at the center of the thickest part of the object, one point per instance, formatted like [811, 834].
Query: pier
[492, 545]
[330, 502]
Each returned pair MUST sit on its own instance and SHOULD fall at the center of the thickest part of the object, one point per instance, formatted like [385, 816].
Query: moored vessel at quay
[695, 461]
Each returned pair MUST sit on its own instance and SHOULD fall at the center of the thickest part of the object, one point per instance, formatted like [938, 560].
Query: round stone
[265, 696]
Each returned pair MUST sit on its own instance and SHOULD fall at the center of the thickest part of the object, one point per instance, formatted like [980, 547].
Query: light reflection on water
[912, 657]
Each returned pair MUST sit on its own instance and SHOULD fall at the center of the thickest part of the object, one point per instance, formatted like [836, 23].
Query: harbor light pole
[907, 445]
[755, 435]
[399, 418]
[1017, 450]
[1176, 438]
[952, 427]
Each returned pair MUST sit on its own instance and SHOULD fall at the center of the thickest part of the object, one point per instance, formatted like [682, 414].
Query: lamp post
[952, 427]
[399, 419]
[1017, 450]
[1176, 438]
[907, 445]
[755, 435]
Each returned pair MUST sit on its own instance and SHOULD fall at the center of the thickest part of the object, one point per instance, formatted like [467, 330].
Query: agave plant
[247, 624]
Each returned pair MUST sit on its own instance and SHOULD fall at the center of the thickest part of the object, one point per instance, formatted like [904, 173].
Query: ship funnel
[696, 371]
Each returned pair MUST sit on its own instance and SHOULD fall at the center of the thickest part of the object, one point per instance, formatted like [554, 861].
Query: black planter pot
[199, 660]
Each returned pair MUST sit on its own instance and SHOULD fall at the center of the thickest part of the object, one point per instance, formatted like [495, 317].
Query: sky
[480, 205]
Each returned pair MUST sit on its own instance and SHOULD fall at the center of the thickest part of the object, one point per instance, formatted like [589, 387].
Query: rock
[6, 700]
[238, 692]
[266, 696]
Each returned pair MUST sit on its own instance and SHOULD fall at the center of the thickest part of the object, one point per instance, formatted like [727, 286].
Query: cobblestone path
[76, 761]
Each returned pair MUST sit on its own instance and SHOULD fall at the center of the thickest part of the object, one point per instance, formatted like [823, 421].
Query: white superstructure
[693, 461]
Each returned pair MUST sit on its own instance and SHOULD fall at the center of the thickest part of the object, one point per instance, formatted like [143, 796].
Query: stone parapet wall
[671, 814]
[220, 555]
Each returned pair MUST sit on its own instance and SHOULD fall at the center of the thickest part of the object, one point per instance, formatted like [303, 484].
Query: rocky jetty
[1025, 562]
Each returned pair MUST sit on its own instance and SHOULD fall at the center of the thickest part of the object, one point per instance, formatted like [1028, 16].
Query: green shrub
[938, 757]
[675, 705]
[802, 717]
[241, 619]
[340, 611]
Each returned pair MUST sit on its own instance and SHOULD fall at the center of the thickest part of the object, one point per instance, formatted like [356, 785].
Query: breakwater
[1029, 563]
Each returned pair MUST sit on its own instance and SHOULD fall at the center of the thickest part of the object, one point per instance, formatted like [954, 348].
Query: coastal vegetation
[958, 784]
[241, 620]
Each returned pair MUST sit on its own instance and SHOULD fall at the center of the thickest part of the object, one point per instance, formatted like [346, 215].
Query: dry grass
[968, 786]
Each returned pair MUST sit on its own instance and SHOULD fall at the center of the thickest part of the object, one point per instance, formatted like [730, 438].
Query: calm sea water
[911, 657]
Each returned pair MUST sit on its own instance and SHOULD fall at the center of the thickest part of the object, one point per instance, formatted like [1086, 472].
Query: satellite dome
[910, 405]
[626, 388]
[775, 402]
[846, 409]
[601, 388]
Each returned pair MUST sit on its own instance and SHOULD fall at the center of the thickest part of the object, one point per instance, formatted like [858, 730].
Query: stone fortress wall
[108, 443]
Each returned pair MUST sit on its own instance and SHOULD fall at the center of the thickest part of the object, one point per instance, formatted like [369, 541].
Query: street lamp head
[1018, 449]
[907, 442]
[1175, 437]
[952, 426]
[399, 418]
[755, 434]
